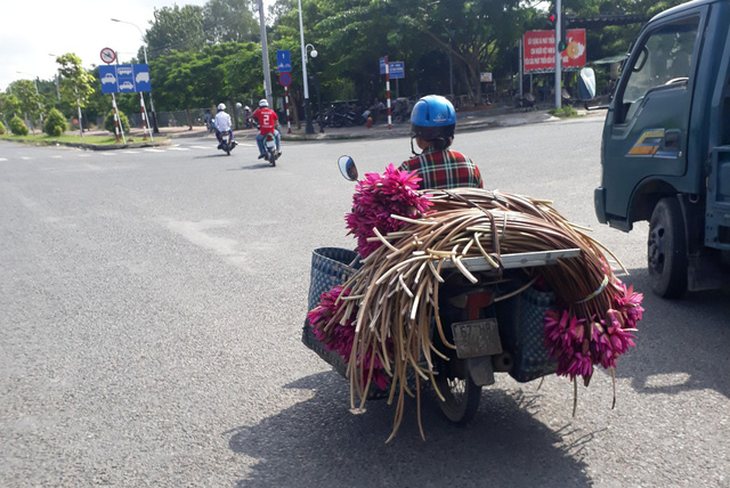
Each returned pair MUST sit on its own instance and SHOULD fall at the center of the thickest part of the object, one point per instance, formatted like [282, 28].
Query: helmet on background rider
[433, 117]
[221, 106]
[263, 102]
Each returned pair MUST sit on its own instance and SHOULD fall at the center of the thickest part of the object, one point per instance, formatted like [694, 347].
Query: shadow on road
[253, 166]
[319, 443]
[681, 344]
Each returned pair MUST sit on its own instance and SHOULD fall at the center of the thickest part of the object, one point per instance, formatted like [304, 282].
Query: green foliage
[2, 128]
[55, 124]
[175, 29]
[9, 105]
[109, 122]
[18, 127]
[564, 112]
[29, 102]
[77, 84]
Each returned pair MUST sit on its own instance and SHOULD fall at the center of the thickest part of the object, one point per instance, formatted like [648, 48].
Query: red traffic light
[553, 17]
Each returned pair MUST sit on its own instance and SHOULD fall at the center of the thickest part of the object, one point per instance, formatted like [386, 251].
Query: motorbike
[496, 323]
[271, 154]
[227, 144]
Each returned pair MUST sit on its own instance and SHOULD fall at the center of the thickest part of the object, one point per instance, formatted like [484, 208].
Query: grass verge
[46, 140]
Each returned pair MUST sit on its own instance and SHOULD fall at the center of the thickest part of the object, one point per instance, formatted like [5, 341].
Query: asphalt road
[151, 304]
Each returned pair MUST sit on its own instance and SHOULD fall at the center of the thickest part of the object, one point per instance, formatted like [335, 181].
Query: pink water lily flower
[376, 198]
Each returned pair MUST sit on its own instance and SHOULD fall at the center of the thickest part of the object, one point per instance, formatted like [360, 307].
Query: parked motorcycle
[495, 324]
[227, 143]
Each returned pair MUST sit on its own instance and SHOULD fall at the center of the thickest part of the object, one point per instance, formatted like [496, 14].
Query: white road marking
[25, 158]
[84, 155]
[107, 153]
[178, 149]
[57, 157]
[131, 152]
[3, 159]
[201, 147]
[154, 150]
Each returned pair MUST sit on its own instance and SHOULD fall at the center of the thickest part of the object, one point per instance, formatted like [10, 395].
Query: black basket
[522, 327]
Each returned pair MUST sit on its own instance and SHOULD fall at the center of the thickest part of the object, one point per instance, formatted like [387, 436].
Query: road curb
[93, 147]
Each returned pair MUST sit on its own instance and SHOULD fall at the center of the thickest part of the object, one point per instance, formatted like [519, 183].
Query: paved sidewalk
[466, 120]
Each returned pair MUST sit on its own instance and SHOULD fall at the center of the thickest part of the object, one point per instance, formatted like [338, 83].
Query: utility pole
[265, 53]
[558, 59]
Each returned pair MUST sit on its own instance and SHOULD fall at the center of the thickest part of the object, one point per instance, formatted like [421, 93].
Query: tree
[30, 103]
[229, 21]
[9, 105]
[76, 83]
[175, 29]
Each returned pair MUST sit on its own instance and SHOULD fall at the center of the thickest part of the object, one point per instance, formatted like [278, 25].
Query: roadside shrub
[2, 128]
[18, 127]
[109, 121]
[55, 124]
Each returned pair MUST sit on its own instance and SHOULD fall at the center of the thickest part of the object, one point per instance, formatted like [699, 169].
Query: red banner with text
[539, 47]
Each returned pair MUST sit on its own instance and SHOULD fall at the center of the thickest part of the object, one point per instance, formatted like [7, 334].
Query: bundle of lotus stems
[390, 302]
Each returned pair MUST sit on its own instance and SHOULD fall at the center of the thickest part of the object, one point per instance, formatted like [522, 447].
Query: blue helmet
[433, 117]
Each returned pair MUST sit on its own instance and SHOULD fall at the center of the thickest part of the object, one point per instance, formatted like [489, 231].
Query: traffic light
[563, 34]
[563, 39]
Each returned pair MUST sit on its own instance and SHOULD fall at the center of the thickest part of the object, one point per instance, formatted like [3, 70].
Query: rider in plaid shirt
[433, 120]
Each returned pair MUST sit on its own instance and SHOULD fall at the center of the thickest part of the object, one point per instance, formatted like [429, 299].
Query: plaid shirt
[444, 170]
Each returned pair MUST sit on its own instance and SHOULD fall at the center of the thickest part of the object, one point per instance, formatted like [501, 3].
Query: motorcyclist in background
[267, 121]
[433, 121]
[222, 124]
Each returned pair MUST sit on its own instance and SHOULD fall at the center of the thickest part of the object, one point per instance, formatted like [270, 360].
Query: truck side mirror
[587, 84]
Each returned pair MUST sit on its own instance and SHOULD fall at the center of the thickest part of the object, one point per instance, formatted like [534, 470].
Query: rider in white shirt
[222, 123]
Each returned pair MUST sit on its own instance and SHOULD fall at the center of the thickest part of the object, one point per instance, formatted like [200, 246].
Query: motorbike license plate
[476, 338]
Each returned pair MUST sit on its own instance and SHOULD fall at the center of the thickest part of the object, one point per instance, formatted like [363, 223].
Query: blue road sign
[397, 70]
[125, 78]
[382, 66]
[108, 75]
[142, 79]
[283, 61]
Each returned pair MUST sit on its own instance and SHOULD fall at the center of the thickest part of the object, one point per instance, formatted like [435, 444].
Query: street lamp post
[307, 112]
[144, 50]
[58, 90]
[40, 108]
[314, 53]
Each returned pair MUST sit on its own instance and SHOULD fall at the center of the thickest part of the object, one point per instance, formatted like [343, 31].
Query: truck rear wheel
[667, 249]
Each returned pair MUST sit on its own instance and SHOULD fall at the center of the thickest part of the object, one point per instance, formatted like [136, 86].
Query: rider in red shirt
[267, 121]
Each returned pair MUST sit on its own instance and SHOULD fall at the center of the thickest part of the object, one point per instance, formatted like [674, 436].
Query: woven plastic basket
[330, 267]
[522, 329]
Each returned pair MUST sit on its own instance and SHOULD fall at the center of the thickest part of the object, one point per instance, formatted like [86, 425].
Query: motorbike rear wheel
[461, 395]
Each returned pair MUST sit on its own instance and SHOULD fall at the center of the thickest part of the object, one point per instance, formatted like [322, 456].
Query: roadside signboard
[108, 55]
[396, 69]
[285, 78]
[125, 78]
[539, 50]
[283, 61]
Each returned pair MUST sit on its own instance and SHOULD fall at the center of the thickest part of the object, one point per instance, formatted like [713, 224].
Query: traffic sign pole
[117, 121]
[286, 102]
[387, 91]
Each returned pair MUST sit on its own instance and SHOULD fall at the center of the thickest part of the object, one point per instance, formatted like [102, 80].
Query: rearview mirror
[587, 84]
[347, 168]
